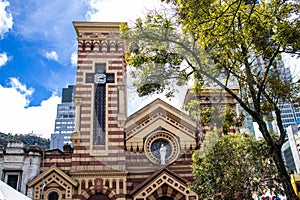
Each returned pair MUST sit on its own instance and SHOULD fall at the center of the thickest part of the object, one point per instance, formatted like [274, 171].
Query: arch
[89, 192]
[98, 196]
[106, 183]
[52, 178]
[104, 46]
[114, 184]
[90, 183]
[166, 192]
[163, 184]
[82, 185]
[96, 45]
[165, 198]
[53, 194]
[56, 178]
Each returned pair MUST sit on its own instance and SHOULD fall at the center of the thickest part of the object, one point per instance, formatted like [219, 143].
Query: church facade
[144, 156]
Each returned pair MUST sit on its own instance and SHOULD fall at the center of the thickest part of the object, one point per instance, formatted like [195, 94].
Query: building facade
[65, 119]
[293, 142]
[289, 114]
[143, 156]
[19, 165]
[288, 156]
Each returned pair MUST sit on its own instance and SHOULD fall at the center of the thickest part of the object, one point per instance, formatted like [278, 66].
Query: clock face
[157, 144]
[100, 78]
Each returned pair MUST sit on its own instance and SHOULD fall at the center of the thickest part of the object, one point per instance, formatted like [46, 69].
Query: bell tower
[100, 98]
[160, 139]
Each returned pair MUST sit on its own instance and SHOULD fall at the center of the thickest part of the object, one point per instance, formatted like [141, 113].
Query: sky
[38, 55]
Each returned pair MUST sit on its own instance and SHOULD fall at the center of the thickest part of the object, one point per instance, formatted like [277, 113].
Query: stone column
[78, 102]
[122, 105]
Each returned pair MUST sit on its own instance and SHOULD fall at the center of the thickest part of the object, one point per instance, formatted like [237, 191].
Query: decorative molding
[169, 138]
[53, 190]
[159, 110]
[173, 188]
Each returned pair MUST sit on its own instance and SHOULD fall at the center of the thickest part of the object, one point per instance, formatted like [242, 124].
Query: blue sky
[38, 52]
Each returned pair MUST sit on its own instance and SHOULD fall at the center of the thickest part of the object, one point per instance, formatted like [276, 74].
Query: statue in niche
[163, 152]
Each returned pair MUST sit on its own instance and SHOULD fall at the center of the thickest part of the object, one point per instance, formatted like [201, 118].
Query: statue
[163, 152]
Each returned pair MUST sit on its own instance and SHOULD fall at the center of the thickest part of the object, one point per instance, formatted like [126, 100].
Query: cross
[99, 78]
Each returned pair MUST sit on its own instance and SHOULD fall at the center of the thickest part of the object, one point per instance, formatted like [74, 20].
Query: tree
[222, 117]
[219, 41]
[27, 139]
[233, 167]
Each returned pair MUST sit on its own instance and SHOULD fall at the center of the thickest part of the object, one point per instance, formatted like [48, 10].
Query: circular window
[161, 148]
[157, 146]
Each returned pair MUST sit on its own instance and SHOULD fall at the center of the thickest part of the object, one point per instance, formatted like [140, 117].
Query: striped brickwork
[99, 43]
[157, 116]
[123, 167]
[89, 161]
[113, 185]
[156, 121]
[53, 179]
[140, 168]
[164, 182]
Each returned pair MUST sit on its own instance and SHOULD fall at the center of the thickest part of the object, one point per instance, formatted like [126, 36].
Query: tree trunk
[285, 178]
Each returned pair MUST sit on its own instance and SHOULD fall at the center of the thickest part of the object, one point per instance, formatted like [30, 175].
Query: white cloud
[120, 10]
[22, 89]
[74, 59]
[6, 19]
[294, 65]
[17, 118]
[52, 55]
[49, 23]
[3, 59]
[135, 102]
[102, 11]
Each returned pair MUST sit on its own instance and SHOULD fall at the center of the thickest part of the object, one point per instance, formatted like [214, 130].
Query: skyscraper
[289, 113]
[65, 119]
[292, 158]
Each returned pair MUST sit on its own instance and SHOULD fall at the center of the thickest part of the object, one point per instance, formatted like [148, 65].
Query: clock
[100, 78]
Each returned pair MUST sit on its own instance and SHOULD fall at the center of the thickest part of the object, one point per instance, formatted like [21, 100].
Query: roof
[47, 172]
[159, 110]
[9, 193]
[149, 180]
[96, 27]
[157, 102]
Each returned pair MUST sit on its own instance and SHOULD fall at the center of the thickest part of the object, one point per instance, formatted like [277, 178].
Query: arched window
[90, 184]
[53, 196]
[83, 184]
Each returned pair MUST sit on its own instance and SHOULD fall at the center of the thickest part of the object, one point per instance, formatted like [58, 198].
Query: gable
[159, 115]
[51, 170]
[174, 185]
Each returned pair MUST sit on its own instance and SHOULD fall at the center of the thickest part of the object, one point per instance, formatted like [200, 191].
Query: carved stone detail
[169, 138]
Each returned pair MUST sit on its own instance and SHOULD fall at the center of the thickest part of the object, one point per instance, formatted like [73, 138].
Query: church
[144, 156]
